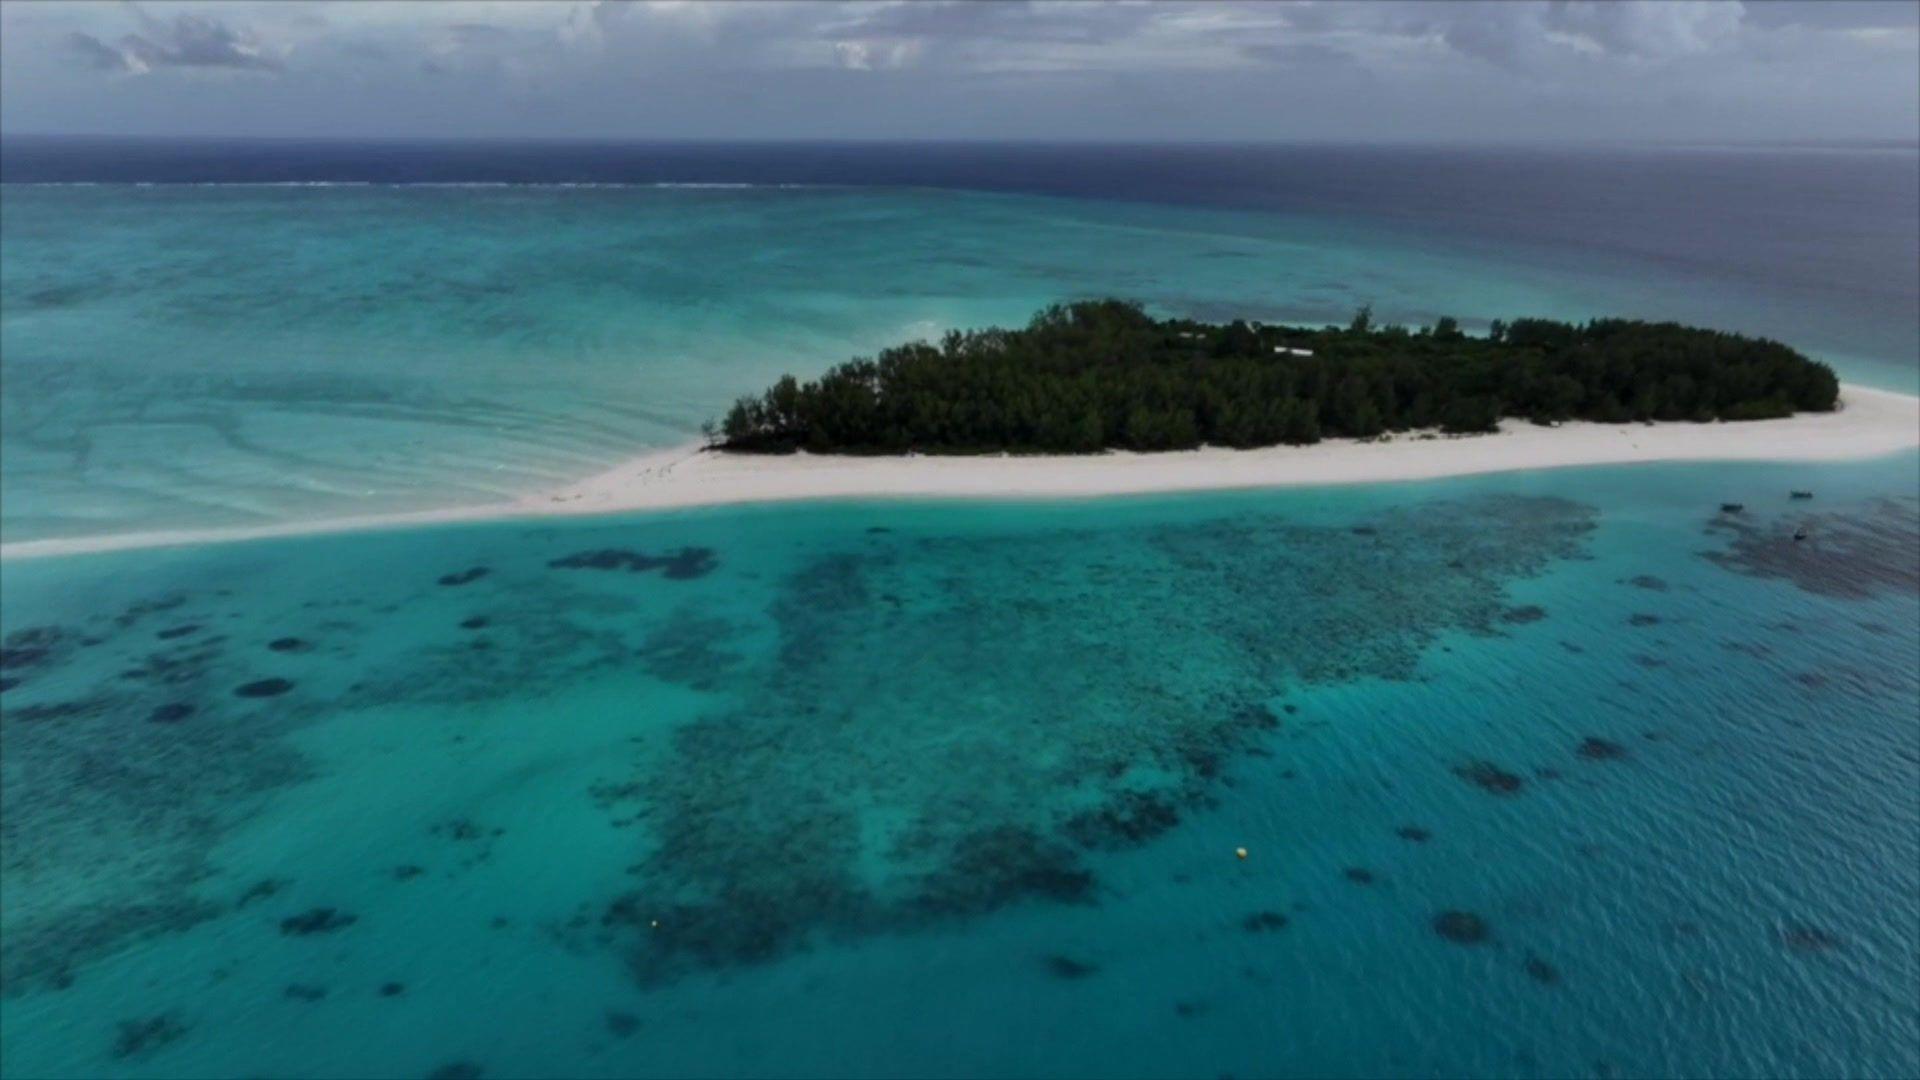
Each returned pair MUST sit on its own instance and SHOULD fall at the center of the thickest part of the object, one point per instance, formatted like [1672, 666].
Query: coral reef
[828, 799]
[1850, 554]
[1489, 777]
[682, 565]
[1461, 927]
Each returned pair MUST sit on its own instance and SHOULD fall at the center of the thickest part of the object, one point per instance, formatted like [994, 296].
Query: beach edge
[1869, 423]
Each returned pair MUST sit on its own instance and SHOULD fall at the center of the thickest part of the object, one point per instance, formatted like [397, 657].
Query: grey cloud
[97, 52]
[1837, 15]
[1537, 35]
[1425, 69]
[1648, 29]
[1006, 20]
[1301, 53]
[470, 33]
[1499, 33]
[188, 41]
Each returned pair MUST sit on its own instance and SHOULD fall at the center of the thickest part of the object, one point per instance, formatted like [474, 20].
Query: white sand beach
[1869, 423]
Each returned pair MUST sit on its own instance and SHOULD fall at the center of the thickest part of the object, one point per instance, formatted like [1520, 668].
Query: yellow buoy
[1241, 852]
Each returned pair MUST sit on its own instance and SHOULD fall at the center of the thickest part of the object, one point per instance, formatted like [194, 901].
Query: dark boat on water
[1801, 495]
[1732, 508]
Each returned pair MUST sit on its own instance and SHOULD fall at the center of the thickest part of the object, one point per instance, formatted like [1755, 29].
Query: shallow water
[1554, 774]
[190, 356]
[955, 790]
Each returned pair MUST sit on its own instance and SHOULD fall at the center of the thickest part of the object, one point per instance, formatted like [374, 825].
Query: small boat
[1732, 508]
[1801, 494]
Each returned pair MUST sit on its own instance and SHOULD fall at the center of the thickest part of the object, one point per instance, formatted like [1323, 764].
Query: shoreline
[1868, 423]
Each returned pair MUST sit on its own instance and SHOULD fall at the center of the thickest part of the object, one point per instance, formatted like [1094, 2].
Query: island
[1099, 399]
[1105, 375]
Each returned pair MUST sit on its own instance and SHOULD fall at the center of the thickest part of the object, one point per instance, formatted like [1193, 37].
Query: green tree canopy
[1104, 374]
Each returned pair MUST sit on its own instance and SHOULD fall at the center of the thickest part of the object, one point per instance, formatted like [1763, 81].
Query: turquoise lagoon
[943, 789]
[178, 356]
[1558, 773]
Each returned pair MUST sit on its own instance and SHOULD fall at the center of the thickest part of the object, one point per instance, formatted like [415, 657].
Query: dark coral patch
[1259, 717]
[289, 644]
[31, 646]
[1066, 967]
[1414, 833]
[1489, 777]
[1461, 927]
[181, 631]
[171, 713]
[138, 1038]
[1263, 922]
[691, 649]
[305, 992]
[320, 920]
[994, 867]
[1540, 971]
[1641, 618]
[263, 688]
[142, 608]
[1648, 582]
[1128, 820]
[621, 1024]
[174, 669]
[261, 890]
[1594, 748]
[474, 622]
[1529, 613]
[461, 829]
[750, 929]
[407, 872]
[9, 683]
[688, 562]
[1850, 555]
[757, 844]
[393, 989]
[456, 1070]
[1359, 875]
[465, 577]
[1803, 938]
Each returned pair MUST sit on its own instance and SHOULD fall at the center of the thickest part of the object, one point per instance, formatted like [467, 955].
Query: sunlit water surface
[176, 356]
[1555, 774]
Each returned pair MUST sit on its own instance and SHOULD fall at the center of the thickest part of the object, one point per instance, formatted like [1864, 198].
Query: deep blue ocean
[1561, 773]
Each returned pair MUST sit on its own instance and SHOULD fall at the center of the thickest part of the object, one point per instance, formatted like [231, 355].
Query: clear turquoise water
[932, 789]
[955, 790]
[181, 356]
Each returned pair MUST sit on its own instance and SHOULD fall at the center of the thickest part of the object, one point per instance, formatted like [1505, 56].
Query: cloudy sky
[1421, 69]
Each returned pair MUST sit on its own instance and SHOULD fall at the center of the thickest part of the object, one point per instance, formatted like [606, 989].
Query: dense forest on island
[1104, 374]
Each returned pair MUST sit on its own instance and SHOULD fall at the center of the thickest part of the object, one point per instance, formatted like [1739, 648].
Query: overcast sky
[1383, 70]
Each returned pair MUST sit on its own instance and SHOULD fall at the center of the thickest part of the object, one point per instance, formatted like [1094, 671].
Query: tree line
[1104, 374]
